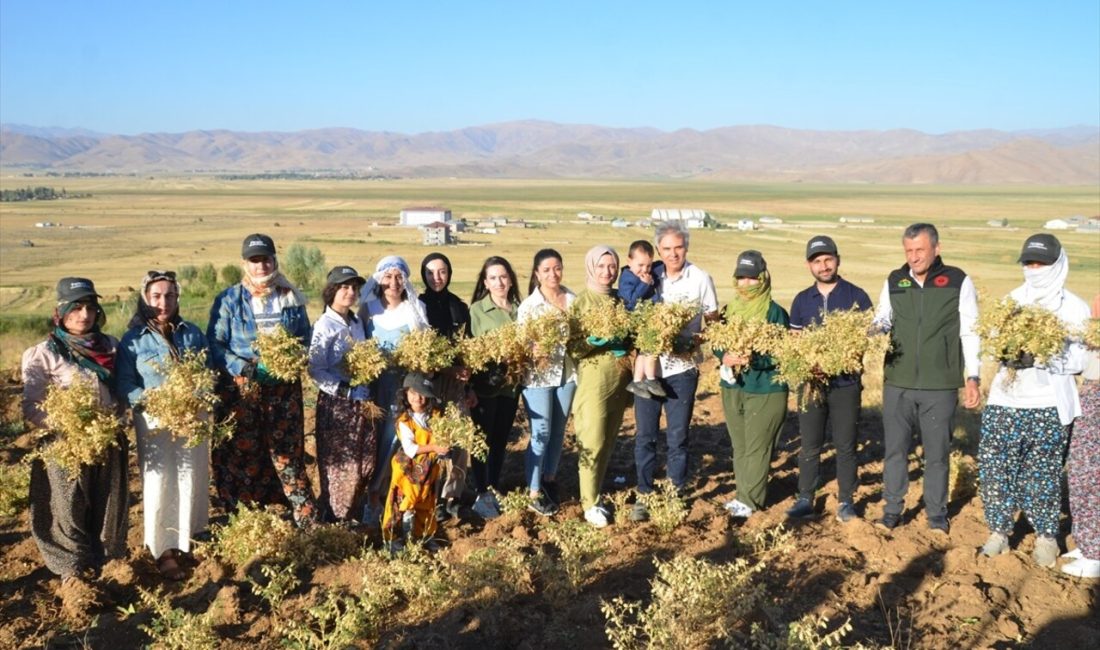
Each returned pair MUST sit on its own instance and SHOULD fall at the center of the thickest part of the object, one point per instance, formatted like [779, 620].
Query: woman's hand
[734, 360]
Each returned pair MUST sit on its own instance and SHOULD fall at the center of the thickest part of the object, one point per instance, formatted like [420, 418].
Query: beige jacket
[42, 367]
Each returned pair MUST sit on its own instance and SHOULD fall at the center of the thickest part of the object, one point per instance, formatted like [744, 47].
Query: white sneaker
[738, 510]
[596, 516]
[1075, 554]
[1082, 568]
[1045, 553]
[484, 507]
[995, 545]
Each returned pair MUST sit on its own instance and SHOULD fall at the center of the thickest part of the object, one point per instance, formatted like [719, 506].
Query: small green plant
[962, 481]
[666, 509]
[578, 547]
[694, 604]
[15, 484]
[806, 633]
[337, 621]
[281, 580]
[173, 628]
[251, 532]
[514, 501]
[413, 576]
[618, 501]
[494, 573]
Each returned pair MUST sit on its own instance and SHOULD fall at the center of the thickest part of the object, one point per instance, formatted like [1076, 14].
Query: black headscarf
[446, 312]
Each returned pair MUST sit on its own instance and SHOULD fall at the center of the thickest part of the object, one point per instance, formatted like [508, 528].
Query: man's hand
[972, 394]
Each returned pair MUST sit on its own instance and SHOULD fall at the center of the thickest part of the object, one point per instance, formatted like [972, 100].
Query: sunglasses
[160, 275]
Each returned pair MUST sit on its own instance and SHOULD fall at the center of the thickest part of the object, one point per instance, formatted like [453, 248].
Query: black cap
[1041, 248]
[420, 384]
[819, 245]
[750, 264]
[343, 275]
[256, 245]
[74, 289]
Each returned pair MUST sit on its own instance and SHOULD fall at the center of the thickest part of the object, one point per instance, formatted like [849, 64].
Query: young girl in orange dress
[410, 501]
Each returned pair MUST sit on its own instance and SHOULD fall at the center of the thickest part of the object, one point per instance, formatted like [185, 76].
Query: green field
[130, 225]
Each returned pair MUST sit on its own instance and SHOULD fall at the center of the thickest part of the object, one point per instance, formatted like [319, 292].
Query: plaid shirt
[232, 329]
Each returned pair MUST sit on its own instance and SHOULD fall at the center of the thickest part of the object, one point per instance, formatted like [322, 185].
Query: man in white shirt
[684, 283]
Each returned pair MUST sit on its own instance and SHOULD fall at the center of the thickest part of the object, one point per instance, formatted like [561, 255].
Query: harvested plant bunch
[656, 325]
[741, 337]
[1010, 330]
[184, 403]
[607, 320]
[694, 604]
[836, 346]
[84, 429]
[250, 532]
[546, 332]
[365, 362]
[281, 353]
[1091, 335]
[425, 351]
[504, 345]
[453, 428]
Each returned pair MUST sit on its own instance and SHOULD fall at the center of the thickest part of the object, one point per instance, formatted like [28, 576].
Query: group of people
[378, 462]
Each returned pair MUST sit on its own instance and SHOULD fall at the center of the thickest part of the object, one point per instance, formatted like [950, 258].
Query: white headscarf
[369, 291]
[1045, 285]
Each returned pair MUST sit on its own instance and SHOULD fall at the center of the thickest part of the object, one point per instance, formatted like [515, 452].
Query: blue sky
[132, 67]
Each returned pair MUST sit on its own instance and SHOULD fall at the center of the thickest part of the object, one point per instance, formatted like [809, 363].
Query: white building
[1056, 224]
[423, 216]
[746, 224]
[679, 214]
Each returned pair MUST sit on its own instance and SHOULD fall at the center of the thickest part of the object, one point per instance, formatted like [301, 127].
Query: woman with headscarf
[548, 395]
[448, 315]
[1083, 469]
[347, 442]
[389, 309]
[174, 477]
[77, 520]
[264, 462]
[1025, 418]
[603, 372]
[753, 404]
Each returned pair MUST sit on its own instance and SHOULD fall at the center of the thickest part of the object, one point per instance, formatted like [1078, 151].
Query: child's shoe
[655, 388]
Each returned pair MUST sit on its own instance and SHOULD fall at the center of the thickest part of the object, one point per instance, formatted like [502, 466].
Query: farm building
[746, 224]
[1092, 225]
[619, 223]
[1056, 224]
[437, 234]
[856, 220]
[691, 218]
[423, 216]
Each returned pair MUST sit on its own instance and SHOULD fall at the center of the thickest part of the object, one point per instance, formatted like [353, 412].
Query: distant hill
[1069, 156]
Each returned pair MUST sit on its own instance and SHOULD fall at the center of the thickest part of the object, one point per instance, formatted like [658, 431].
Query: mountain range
[539, 149]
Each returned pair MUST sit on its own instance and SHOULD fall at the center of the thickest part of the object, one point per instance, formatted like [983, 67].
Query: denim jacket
[140, 347]
[232, 329]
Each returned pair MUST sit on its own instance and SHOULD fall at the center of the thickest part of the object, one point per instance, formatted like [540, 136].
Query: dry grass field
[904, 589]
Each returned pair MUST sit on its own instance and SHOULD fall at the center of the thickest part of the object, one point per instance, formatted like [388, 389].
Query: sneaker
[654, 387]
[995, 545]
[550, 491]
[846, 512]
[738, 510]
[542, 506]
[484, 506]
[939, 524]
[639, 512]
[1075, 554]
[639, 389]
[801, 509]
[1046, 552]
[1082, 568]
[596, 516]
[889, 521]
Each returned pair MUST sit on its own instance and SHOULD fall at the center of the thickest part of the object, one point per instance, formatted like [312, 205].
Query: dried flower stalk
[656, 325]
[83, 429]
[186, 401]
[365, 362]
[284, 356]
[453, 428]
[425, 351]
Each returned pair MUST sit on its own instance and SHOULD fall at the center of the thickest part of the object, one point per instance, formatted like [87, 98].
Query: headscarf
[751, 302]
[437, 304]
[1044, 285]
[259, 287]
[146, 316]
[591, 259]
[91, 351]
[369, 292]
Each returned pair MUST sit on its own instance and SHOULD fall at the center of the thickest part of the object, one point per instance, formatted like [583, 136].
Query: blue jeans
[647, 415]
[547, 410]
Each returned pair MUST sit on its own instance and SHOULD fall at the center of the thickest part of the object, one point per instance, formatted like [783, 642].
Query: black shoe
[550, 490]
[939, 525]
[543, 506]
[889, 521]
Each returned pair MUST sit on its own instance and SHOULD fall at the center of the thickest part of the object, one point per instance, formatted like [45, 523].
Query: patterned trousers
[1084, 473]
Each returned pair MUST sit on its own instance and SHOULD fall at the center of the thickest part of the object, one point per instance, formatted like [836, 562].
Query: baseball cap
[420, 383]
[73, 289]
[343, 275]
[1042, 248]
[750, 264]
[256, 245]
[820, 244]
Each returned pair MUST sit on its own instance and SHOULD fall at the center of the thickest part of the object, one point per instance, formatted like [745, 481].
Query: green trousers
[754, 421]
[598, 408]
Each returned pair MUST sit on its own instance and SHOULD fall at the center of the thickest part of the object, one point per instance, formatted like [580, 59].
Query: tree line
[39, 193]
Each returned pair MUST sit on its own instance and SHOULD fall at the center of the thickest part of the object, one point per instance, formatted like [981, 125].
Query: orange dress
[412, 486]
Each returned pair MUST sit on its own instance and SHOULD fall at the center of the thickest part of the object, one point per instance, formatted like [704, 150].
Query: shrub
[305, 266]
[666, 509]
[494, 573]
[173, 628]
[231, 274]
[15, 483]
[337, 621]
[578, 547]
[251, 532]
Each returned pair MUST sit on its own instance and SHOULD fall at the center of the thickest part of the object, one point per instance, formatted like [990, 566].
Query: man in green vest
[929, 309]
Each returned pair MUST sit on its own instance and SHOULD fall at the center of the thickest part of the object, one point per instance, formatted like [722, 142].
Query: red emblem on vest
[940, 281]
